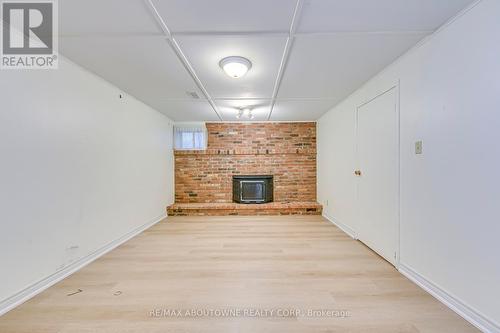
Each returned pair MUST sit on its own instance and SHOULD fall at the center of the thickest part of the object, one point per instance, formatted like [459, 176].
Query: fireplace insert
[253, 189]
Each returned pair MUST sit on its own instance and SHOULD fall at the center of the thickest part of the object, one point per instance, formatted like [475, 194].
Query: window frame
[179, 135]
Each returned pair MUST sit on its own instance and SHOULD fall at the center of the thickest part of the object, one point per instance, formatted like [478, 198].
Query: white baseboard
[462, 309]
[17, 299]
[345, 228]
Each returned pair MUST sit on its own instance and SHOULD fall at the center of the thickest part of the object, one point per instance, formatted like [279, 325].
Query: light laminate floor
[268, 271]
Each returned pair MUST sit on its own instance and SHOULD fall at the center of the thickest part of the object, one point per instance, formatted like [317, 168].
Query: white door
[378, 174]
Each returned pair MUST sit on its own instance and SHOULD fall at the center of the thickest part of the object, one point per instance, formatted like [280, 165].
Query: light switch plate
[418, 147]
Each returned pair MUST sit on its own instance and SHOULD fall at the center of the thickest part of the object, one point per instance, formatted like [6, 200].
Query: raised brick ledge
[273, 208]
[297, 151]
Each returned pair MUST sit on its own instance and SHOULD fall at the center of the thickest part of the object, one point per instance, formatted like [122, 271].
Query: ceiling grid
[307, 55]
[178, 51]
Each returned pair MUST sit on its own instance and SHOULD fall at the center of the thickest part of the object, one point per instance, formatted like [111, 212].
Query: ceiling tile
[300, 110]
[229, 109]
[265, 53]
[369, 15]
[77, 17]
[185, 110]
[144, 67]
[335, 65]
[226, 15]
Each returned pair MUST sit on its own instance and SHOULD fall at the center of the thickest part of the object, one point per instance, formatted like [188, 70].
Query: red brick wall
[285, 150]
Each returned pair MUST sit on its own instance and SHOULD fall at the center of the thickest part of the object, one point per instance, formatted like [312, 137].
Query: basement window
[190, 137]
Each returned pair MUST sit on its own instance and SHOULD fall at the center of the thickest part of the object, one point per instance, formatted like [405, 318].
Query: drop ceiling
[307, 55]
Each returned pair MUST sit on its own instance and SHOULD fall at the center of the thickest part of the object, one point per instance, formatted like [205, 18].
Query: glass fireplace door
[252, 190]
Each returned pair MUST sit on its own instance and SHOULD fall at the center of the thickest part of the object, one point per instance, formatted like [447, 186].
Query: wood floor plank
[274, 263]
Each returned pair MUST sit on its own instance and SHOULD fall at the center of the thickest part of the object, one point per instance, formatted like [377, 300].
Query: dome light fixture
[235, 66]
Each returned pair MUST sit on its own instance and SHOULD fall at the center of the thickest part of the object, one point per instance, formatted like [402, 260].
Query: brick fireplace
[287, 151]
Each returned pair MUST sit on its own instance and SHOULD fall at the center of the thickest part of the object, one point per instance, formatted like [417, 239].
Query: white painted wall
[450, 195]
[78, 167]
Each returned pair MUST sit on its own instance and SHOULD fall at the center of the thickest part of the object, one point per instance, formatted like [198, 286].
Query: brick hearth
[218, 209]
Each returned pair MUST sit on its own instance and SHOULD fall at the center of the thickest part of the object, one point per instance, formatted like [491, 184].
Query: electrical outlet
[418, 147]
[71, 254]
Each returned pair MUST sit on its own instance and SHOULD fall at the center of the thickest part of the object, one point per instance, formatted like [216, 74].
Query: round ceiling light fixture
[235, 66]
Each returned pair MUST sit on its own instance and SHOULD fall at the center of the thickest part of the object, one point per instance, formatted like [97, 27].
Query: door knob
[357, 172]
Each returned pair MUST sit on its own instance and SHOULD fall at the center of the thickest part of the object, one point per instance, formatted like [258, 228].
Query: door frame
[396, 88]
